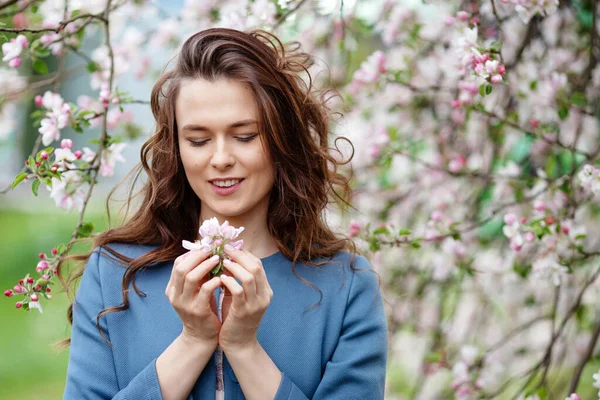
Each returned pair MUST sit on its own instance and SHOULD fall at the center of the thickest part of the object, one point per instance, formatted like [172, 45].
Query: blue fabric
[337, 350]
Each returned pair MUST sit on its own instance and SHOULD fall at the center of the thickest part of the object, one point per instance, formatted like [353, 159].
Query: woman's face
[223, 155]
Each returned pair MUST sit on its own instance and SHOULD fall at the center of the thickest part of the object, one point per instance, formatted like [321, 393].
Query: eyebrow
[200, 128]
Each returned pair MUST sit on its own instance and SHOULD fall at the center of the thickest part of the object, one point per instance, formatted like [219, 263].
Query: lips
[225, 191]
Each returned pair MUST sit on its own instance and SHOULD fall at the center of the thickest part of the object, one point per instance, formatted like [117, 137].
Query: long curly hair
[294, 119]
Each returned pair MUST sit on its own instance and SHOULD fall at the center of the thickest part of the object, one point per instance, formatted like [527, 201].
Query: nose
[222, 158]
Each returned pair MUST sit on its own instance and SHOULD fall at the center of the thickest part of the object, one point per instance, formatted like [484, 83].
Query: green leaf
[404, 232]
[85, 229]
[18, 179]
[488, 89]
[482, 90]
[40, 66]
[381, 230]
[35, 186]
[563, 112]
[579, 99]
[533, 85]
[93, 67]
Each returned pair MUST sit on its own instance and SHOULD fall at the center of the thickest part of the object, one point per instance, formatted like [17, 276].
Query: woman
[239, 137]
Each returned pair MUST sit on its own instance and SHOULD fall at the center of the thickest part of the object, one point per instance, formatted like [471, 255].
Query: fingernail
[214, 258]
[226, 261]
[228, 247]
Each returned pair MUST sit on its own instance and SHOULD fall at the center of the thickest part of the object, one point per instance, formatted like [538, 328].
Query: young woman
[240, 137]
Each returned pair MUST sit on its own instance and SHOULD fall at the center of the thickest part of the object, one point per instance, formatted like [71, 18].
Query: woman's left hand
[243, 307]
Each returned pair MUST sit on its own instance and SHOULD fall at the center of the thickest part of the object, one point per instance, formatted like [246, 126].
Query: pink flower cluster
[33, 289]
[57, 116]
[12, 50]
[214, 238]
[516, 232]
[369, 72]
[589, 177]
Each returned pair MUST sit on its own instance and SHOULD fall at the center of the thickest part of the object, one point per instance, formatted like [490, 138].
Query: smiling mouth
[226, 184]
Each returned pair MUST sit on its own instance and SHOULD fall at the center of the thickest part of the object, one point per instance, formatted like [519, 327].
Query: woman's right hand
[191, 294]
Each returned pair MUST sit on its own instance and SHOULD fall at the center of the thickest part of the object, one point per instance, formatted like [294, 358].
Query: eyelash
[244, 139]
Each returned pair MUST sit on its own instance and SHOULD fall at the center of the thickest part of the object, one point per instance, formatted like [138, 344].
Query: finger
[253, 265]
[205, 297]
[237, 292]
[193, 278]
[248, 280]
[184, 266]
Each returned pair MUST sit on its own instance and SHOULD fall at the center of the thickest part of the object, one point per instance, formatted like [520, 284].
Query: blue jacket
[337, 350]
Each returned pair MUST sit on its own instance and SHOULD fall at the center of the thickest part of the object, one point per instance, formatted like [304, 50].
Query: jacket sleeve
[91, 371]
[357, 367]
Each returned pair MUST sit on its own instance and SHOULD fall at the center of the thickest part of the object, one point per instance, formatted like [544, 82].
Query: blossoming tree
[475, 131]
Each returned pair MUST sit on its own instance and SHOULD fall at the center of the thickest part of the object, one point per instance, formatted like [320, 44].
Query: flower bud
[462, 16]
[44, 155]
[30, 280]
[66, 144]
[565, 229]
[19, 289]
[116, 100]
[437, 216]
[496, 79]
[45, 277]
[34, 297]
[42, 265]
[54, 169]
[37, 164]
[38, 287]
[26, 162]
[42, 256]
[523, 220]
[49, 296]
[48, 290]
[529, 236]
[21, 282]
[8, 293]
[354, 229]
[539, 206]
[19, 304]
[38, 100]
[78, 154]
[54, 251]
[15, 62]
[501, 69]
[550, 219]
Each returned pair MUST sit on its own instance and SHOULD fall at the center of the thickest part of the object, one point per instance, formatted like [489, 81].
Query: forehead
[214, 104]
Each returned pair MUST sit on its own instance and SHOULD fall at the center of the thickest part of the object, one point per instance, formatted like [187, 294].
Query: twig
[588, 354]
[282, 19]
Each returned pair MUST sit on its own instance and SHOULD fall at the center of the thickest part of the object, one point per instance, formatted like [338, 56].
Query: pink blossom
[496, 79]
[14, 48]
[371, 69]
[66, 144]
[462, 16]
[529, 236]
[15, 62]
[110, 156]
[354, 229]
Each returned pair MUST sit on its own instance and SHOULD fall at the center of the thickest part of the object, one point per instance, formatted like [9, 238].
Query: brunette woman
[240, 137]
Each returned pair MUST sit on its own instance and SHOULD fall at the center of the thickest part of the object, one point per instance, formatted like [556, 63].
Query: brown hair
[295, 120]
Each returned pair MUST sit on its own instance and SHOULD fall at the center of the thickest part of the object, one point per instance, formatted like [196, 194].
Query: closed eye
[247, 138]
[241, 139]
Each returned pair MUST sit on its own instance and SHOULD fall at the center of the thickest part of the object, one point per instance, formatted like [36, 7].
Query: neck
[256, 237]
